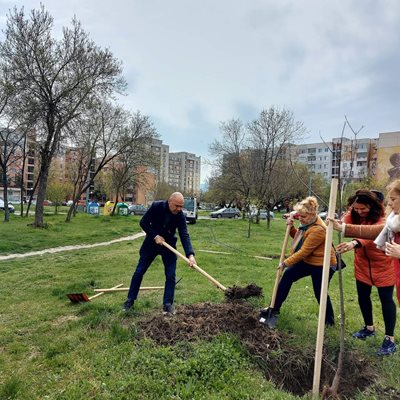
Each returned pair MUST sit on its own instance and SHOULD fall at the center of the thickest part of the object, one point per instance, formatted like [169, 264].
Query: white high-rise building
[357, 158]
[317, 156]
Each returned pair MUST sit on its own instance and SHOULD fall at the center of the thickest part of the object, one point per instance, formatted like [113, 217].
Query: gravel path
[69, 248]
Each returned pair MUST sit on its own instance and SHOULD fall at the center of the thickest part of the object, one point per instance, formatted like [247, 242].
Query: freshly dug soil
[290, 368]
[237, 293]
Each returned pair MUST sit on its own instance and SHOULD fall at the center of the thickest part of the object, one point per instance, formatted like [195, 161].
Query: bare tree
[233, 162]
[12, 138]
[163, 190]
[57, 190]
[107, 133]
[271, 135]
[250, 158]
[54, 78]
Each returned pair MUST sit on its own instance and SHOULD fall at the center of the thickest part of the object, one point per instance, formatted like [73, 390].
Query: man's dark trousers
[147, 256]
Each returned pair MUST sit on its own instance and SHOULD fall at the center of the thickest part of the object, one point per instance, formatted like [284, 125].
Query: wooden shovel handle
[279, 270]
[125, 289]
[196, 267]
[102, 292]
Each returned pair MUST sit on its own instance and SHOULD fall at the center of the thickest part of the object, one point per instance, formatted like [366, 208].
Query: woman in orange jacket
[306, 259]
[372, 267]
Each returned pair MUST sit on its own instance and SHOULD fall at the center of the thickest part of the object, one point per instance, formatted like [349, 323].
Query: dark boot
[269, 317]
[128, 305]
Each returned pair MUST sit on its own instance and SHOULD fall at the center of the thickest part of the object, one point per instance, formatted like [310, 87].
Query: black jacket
[159, 220]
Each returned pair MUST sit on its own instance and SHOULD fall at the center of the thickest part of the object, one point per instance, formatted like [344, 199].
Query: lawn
[53, 349]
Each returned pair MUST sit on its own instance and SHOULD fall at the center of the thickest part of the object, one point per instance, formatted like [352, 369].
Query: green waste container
[122, 209]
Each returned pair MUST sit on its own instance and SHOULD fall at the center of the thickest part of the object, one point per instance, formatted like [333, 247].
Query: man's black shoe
[128, 305]
[168, 309]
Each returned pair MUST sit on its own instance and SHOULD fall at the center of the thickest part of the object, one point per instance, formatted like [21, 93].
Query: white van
[10, 206]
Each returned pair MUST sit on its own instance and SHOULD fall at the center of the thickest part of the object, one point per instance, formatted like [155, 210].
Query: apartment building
[161, 153]
[181, 170]
[16, 165]
[317, 156]
[184, 172]
[355, 158]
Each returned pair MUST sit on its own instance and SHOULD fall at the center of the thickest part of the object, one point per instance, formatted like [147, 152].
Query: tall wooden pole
[324, 291]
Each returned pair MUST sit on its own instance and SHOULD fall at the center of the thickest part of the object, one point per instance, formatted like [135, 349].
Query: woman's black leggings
[298, 271]
[387, 302]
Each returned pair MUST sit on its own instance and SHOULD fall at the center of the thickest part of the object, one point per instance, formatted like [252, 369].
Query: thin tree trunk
[39, 222]
[116, 202]
[5, 191]
[22, 176]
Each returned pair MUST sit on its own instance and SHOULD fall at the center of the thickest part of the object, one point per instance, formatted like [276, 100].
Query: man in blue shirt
[160, 223]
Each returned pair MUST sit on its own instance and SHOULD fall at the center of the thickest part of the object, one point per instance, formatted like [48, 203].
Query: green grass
[18, 236]
[50, 348]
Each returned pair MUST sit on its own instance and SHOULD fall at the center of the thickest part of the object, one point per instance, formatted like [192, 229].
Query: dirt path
[69, 248]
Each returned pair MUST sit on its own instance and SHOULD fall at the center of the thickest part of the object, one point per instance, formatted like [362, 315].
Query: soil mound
[290, 368]
[236, 292]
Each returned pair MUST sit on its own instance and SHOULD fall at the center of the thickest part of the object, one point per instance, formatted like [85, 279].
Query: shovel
[83, 297]
[196, 267]
[230, 293]
[125, 289]
[266, 313]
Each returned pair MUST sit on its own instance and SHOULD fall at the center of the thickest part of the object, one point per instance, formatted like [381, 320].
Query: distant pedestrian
[160, 223]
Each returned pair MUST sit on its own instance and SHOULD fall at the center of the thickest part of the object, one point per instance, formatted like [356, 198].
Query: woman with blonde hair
[306, 258]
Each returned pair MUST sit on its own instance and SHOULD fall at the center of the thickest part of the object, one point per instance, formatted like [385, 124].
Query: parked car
[47, 203]
[226, 213]
[324, 214]
[137, 209]
[263, 214]
[10, 206]
[287, 215]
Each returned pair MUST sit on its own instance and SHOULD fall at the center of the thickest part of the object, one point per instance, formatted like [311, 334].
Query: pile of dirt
[290, 368]
[236, 292]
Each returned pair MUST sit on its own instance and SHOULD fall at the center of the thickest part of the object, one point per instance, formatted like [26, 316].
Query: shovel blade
[268, 317]
[78, 297]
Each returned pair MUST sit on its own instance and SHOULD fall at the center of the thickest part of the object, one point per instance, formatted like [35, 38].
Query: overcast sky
[192, 64]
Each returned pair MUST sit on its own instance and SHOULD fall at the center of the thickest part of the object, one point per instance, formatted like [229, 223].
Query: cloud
[191, 65]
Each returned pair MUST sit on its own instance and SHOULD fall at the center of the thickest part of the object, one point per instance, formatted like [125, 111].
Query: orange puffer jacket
[371, 265]
[313, 247]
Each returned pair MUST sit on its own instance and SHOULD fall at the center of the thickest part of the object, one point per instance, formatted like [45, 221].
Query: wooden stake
[324, 291]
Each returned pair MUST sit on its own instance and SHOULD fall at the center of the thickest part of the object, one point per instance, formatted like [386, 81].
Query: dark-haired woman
[371, 268]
